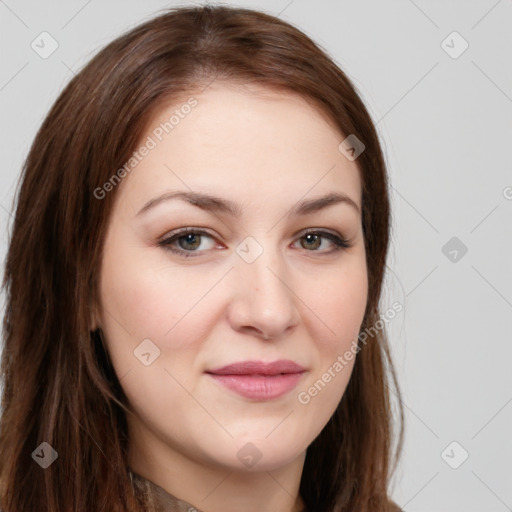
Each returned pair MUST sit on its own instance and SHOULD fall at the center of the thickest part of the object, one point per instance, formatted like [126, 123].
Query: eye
[312, 241]
[189, 241]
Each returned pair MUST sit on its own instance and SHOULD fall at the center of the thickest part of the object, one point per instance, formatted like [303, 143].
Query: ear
[94, 317]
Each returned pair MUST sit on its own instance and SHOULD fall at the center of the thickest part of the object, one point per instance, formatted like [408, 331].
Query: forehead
[253, 141]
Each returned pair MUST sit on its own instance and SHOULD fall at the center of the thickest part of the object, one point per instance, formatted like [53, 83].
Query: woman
[193, 281]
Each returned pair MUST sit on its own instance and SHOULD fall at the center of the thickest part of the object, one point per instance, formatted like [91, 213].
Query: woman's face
[245, 283]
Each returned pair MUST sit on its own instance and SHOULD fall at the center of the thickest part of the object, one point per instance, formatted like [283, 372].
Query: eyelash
[339, 243]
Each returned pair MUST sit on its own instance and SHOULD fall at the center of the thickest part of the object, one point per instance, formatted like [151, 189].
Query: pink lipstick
[258, 380]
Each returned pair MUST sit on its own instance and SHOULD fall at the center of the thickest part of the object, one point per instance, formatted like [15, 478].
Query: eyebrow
[215, 204]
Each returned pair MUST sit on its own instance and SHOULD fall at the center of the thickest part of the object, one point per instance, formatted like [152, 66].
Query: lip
[258, 380]
[259, 368]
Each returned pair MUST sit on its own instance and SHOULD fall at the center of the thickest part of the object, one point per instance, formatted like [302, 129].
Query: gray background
[446, 128]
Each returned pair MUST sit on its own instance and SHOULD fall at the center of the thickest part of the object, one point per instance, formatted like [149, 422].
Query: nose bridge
[263, 298]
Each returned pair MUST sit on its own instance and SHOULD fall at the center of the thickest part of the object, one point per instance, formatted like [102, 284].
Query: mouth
[257, 380]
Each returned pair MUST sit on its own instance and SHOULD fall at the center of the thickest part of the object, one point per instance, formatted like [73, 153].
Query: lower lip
[259, 387]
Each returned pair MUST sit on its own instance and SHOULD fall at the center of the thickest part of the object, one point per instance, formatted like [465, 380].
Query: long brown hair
[58, 384]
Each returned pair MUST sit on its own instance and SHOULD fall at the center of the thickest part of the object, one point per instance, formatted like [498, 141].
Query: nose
[263, 301]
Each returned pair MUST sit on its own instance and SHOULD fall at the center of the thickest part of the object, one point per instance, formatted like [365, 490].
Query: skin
[265, 150]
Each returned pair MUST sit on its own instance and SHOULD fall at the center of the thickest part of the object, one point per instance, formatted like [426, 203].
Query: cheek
[146, 294]
[145, 299]
[339, 304]
[339, 307]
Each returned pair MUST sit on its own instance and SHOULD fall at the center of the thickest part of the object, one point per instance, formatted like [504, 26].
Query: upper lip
[258, 368]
